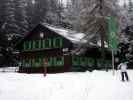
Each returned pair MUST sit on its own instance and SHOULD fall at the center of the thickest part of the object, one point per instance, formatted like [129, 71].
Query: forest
[18, 17]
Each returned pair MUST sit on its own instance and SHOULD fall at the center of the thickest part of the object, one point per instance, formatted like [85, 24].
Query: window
[54, 61]
[91, 61]
[27, 45]
[38, 62]
[60, 61]
[40, 44]
[33, 44]
[48, 43]
[75, 61]
[37, 44]
[24, 46]
[43, 43]
[57, 42]
[83, 61]
[100, 62]
[108, 63]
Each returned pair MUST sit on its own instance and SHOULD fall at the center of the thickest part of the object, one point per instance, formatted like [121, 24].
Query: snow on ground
[96, 85]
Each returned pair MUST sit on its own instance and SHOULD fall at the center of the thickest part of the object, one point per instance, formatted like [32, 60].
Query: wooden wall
[34, 55]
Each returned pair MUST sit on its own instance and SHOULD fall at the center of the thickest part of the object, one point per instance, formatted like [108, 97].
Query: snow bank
[9, 69]
[96, 85]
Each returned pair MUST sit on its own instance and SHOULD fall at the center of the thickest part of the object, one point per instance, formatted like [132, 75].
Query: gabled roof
[73, 36]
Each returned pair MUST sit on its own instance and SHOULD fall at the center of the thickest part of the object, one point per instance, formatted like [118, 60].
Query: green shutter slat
[46, 43]
[43, 43]
[50, 43]
[54, 61]
[33, 43]
[24, 46]
[61, 42]
[50, 61]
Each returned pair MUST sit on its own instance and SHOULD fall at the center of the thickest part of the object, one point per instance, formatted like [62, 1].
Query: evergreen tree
[2, 13]
[89, 16]
[40, 10]
[21, 16]
[54, 12]
[11, 26]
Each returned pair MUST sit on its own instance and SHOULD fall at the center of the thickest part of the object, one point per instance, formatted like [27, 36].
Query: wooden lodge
[55, 48]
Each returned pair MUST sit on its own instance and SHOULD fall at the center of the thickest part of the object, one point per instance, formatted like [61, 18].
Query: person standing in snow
[123, 68]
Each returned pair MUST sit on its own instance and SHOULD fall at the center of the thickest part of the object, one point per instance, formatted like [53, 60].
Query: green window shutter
[60, 61]
[100, 62]
[50, 43]
[47, 43]
[43, 44]
[37, 44]
[54, 43]
[83, 61]
[29, 45]
[24, 46]
[40, 44]
[33, 62]
[41, 61]
[38, 62]
[61, 43]
[108, 63]
[23, 62]
[50, 61]
[54, 61]
[75, 61]
[57, 42]
[91, 61]
[33, 44]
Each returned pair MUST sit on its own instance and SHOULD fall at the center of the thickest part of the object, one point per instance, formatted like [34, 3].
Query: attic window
[41, 35]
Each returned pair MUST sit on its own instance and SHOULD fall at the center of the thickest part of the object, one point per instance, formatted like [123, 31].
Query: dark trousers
[124, 75]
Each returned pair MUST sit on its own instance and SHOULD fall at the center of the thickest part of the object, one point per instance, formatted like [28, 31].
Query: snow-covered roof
[73, 36]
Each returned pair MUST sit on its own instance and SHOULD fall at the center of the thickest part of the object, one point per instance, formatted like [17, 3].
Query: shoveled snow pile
[96, 85]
